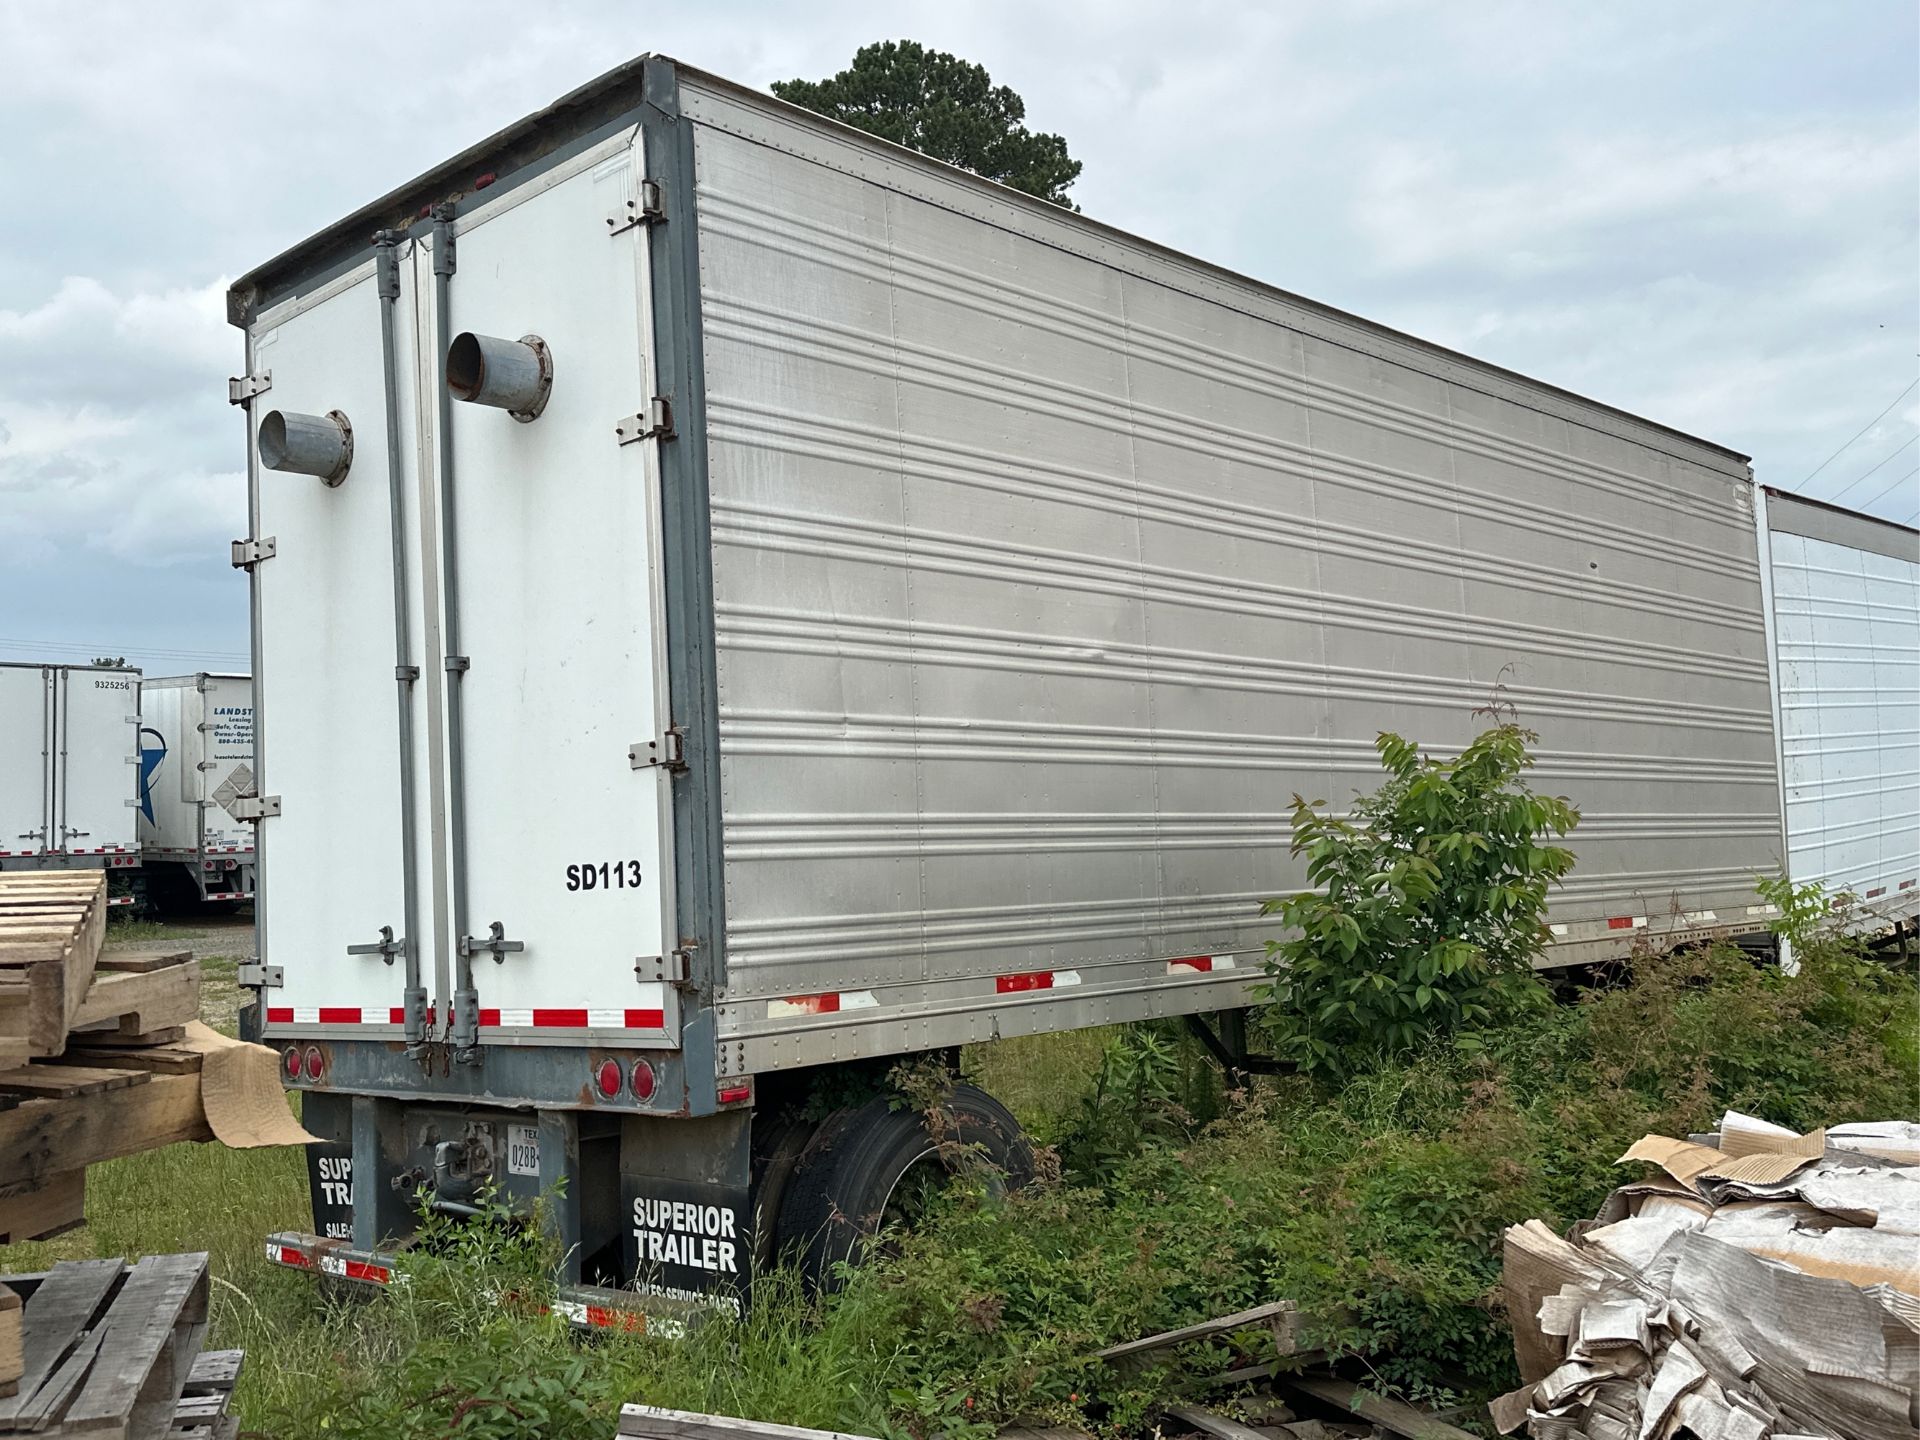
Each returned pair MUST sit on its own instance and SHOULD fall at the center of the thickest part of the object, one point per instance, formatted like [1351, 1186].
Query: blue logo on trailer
[149, 767]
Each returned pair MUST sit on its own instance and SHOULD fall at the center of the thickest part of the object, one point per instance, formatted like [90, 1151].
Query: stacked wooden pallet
[83, 1038]
[108, 1349]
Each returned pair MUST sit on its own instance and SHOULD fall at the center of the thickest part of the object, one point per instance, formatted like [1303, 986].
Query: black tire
[839, 1192]
[779, 1140]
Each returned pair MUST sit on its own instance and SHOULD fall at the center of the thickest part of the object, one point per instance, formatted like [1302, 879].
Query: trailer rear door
[98, 715]
[324, 659]
[563, 705]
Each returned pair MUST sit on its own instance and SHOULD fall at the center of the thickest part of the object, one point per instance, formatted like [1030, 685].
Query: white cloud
[1707, 214]
[111, 433]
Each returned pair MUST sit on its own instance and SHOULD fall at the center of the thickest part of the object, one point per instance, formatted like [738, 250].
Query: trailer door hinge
[249, 553]
[264, 977]
[242, 388]
[670, 751]
[656, 419]
[256, 807]
[674, 968]
[647, 208]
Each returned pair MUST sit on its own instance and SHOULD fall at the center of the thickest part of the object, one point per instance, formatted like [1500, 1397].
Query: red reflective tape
[816, 1004]
[339, 1014]
[1876, 893]
[1906, 884]
[646, 1019]
[489, 1017]
[1194, 962]
[290, 1256]
[554, 1019]
[361, 1270]
[609, 1319]
[396, 1016]
[277, 1015]
[1620, 922]
[1033, 980]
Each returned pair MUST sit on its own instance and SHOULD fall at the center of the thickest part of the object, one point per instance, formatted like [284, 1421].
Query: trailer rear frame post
[381, 1210]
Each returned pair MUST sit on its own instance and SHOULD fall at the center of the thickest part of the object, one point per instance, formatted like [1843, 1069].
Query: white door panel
[325, 665]
[98, 784]
[25, 701]
[557, 590]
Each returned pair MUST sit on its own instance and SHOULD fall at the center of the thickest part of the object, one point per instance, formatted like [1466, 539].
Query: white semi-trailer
[735, 600]
[1844, 614]
[69, 761]
[196, 774]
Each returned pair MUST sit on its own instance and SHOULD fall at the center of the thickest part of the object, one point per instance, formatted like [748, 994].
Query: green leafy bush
[1430, 904]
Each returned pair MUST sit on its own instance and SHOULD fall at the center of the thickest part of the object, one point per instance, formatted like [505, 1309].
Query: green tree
[110, 662]
[945, 107]
[1430, 905]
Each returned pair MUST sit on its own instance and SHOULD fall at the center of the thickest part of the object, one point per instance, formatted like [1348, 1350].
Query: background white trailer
[196, 767]
[1845, 612]
[893, 612]
[68, 770]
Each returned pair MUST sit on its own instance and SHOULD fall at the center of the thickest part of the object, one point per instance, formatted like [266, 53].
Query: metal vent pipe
[511, 375]
[299, 444]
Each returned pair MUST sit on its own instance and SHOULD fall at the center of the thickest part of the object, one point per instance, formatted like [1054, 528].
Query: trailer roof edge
[624, 89]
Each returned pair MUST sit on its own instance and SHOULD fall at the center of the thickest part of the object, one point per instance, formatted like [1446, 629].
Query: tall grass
[1376, 1204]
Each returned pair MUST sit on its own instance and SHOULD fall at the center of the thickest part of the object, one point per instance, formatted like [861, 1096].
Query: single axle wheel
[870, 1167]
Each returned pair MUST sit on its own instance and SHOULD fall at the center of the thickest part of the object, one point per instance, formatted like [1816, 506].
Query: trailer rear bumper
[586, 1306]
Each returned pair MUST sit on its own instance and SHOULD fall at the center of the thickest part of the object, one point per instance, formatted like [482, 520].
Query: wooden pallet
[108, 1349]
[52, 925]
[201, 1411]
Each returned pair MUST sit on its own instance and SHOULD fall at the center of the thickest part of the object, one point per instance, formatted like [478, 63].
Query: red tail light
[609, 1077]
[642, 1080]
[292, 1062]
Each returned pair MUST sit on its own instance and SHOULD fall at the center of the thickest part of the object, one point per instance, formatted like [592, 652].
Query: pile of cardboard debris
[1765, 1286]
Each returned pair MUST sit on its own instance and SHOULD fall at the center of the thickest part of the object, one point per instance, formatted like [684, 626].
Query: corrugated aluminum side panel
[1846, 610]
[1046, 572]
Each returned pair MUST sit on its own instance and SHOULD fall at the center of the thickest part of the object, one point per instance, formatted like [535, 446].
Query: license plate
[523, 1150]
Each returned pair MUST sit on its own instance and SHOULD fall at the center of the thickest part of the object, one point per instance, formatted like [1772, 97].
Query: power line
[36, 647]
[1891, 488]
[1834, 499]
[1863, 430]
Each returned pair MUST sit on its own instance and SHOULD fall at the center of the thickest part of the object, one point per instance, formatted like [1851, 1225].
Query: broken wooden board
[140, 961]
[687, 1425]
[1281, 1318]
[167, 1057]
[41, 1138]
[58, 1080]
[58, 1313]
[11, 1364]
[52, 925]
[1396, 1415]
[1206, 1422]
[152, 1331]
[52, 1207]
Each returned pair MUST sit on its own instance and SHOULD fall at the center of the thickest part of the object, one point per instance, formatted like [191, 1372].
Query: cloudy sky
[1708, 214]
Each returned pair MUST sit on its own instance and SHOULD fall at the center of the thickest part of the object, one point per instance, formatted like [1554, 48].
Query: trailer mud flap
[685, 1195]
[330, 1180]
